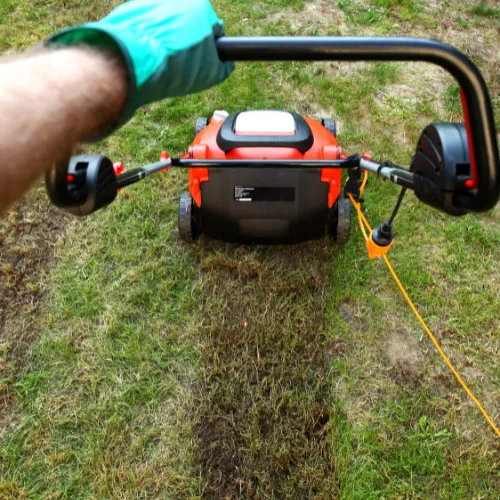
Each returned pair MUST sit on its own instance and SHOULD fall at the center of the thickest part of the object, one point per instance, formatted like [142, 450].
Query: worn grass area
[220, 371]
[25, 254]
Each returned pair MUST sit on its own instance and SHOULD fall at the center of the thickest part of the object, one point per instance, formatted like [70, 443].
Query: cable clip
[380, 241]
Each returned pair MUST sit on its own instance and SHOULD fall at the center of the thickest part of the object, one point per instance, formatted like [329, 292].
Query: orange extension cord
[364, 225]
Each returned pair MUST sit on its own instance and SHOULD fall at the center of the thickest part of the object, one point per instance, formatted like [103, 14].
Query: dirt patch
[404, 357]
[316, 15]
[219, 456]
[402, 348]
[29, 233]
[354, 315]
[264, 401]
[246, 269]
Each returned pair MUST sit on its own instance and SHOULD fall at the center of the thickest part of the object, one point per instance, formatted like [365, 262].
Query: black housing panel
[295, 219]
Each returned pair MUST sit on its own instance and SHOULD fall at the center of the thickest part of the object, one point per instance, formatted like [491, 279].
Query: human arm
[143, 51]
[49, 101]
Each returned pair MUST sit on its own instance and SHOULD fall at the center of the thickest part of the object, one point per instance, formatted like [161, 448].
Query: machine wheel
[200, 124]
[340, 221]
[189, 220]
[331, 125]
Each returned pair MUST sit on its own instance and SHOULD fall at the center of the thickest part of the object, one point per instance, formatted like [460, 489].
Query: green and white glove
[167, 46]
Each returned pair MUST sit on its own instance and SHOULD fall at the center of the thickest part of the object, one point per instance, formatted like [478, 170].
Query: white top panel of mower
[264, 122]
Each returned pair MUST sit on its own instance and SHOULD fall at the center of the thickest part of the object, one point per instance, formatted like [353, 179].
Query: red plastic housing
[325, 147]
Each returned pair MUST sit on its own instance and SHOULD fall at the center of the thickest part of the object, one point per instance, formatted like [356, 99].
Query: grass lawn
[135, 366]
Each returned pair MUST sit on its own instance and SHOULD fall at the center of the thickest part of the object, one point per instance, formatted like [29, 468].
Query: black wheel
[200, 124]
[189, 220]
[331, 125]
[339, 222]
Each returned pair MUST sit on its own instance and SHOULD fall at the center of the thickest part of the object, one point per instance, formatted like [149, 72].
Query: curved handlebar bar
[483, 148]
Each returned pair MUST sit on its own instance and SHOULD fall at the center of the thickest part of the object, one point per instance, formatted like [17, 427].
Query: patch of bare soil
[353, 315]
[29, 232]
[265, 399]
[318, 14]
[404, 357]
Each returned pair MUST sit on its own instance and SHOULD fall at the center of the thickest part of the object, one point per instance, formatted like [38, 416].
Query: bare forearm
[49, 101]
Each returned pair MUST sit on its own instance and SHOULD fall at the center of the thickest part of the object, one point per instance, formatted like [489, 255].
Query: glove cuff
[91, 35]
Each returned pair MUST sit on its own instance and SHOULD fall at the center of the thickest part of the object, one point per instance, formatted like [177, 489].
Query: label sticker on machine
[277, 193]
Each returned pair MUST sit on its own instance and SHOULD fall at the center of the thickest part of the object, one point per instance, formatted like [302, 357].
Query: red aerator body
[275, 205]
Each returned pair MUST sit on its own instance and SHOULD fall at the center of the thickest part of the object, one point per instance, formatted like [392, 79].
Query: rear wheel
[339, 223]
[189, 220]
[200, 124]
[331, 125]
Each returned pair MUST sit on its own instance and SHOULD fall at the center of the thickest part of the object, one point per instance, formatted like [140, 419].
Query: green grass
[385, 16]
[483, 10]
[105, 392]
[171, 371]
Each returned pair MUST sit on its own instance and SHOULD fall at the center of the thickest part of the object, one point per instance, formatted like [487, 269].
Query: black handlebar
[483, 147]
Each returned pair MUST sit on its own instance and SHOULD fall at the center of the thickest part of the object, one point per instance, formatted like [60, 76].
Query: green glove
[167, 46]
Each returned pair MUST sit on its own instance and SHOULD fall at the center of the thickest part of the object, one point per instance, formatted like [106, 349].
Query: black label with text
[247, 194]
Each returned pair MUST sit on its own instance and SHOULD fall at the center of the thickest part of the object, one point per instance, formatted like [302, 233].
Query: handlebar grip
[484, 190]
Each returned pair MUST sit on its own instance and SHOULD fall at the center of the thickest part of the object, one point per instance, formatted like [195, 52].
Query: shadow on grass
[265, 402]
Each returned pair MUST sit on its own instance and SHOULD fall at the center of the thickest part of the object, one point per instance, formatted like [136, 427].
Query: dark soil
[265, 402]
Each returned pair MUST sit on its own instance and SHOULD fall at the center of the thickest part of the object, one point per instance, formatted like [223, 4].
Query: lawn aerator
[276, 176]
[277, 205]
